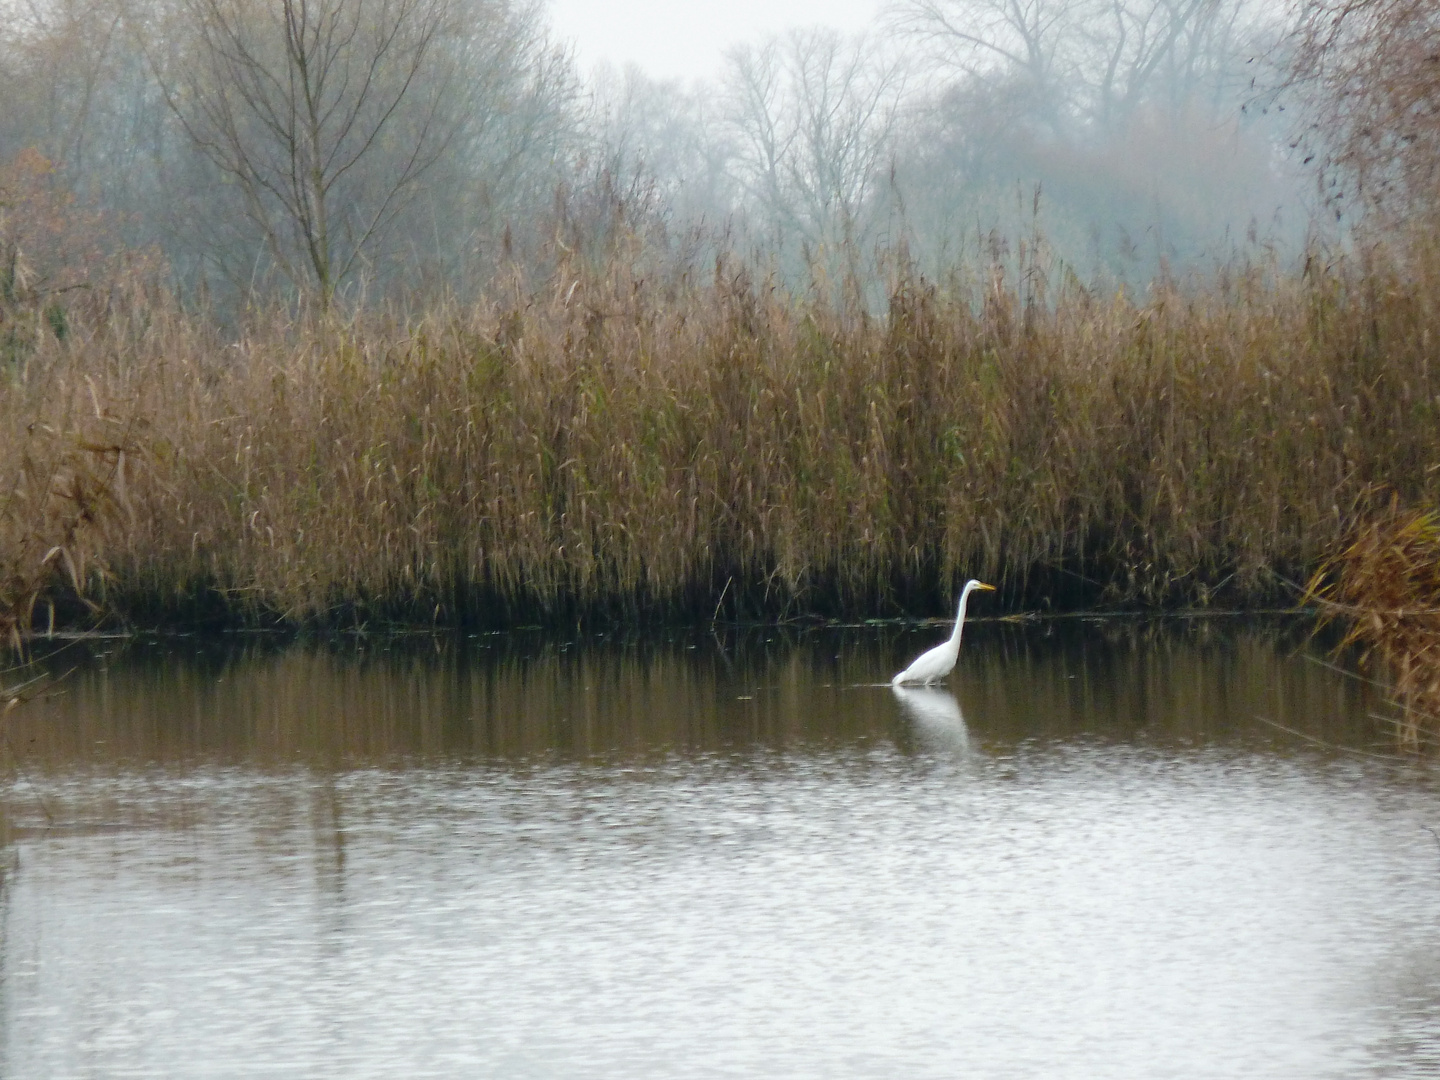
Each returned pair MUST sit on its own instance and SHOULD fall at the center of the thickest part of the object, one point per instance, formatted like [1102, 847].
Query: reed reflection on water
[719, 855]
[528, 697]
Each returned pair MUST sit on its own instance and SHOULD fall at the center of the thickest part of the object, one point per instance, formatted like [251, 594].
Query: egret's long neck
[960, 616]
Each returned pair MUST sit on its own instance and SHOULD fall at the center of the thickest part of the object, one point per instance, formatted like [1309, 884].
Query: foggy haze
[688, 41]
[1103, 143]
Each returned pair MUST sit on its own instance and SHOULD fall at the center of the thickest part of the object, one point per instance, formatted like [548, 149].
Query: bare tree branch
[324, 113]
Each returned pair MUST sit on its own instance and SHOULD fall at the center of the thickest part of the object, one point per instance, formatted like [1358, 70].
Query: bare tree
[1139, 146]
[1021, 42]
[76, 91]
[519, 140]
[812, 116]
[755, 106]
[1370, 72]
[1132, 43]
[316, 141]
[323, 114]
[61, 53]
[666, 133]
[1093, 63]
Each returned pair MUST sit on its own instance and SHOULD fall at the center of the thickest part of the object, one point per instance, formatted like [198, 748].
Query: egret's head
[978, 586]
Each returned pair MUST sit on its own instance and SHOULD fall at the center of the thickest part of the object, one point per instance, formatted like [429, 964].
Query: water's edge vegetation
[613, 444]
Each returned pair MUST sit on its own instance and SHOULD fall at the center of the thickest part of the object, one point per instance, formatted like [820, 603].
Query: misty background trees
[300, 145]
[372, 147]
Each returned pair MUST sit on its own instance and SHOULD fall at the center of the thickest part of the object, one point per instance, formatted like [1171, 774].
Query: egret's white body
[932, 666]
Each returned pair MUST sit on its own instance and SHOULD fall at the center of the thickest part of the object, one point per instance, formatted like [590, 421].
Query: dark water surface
[718, 855]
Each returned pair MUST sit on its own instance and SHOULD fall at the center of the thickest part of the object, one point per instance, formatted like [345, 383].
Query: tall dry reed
[607, 444]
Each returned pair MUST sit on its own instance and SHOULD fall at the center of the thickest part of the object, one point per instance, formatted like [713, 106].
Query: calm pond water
[720, 855]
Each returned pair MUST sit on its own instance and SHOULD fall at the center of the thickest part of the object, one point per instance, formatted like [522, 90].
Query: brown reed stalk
[1384, 585]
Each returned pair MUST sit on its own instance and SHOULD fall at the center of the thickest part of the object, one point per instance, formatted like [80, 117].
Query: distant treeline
[376, 148]
[607, 445]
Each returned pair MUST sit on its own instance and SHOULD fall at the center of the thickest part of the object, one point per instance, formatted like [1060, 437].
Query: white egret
[932, 666]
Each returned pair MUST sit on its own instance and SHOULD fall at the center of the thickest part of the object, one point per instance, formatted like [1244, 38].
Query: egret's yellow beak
[987, 588]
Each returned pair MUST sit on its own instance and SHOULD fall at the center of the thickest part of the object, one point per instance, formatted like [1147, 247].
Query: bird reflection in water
[936, 716]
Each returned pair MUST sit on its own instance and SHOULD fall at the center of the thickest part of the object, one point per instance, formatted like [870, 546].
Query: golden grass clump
[1385, 585]
[615, 444]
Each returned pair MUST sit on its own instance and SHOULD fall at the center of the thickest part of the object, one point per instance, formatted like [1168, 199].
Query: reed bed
[612, 445]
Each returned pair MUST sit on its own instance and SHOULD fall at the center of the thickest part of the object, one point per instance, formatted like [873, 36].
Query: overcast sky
[686, 38]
